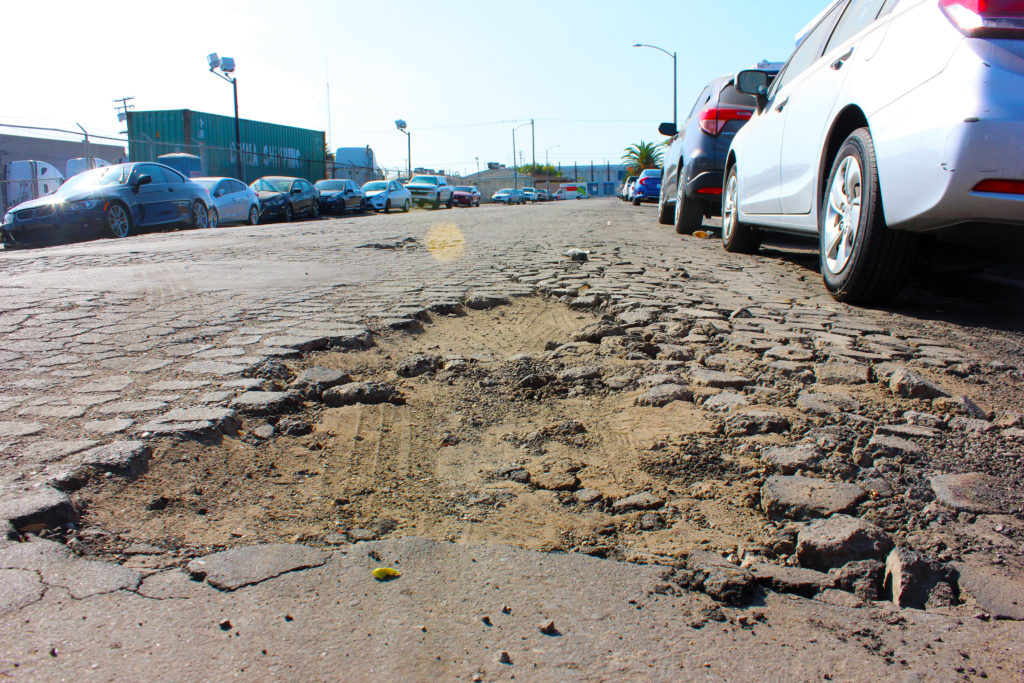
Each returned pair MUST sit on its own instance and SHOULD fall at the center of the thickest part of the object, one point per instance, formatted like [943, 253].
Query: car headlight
[275, 201]
[84, 205]
[8, 217]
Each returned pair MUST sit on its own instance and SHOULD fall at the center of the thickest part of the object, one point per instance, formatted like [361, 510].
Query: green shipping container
[267, 148]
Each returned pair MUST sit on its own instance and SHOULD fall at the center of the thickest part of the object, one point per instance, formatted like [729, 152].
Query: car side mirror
[668, 129]
[753, 82]
[297, 190]
[143, 179]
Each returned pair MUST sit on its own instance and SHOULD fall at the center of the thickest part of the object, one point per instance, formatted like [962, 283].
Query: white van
[25, 180]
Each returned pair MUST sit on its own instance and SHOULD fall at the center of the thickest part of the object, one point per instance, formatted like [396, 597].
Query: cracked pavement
[156, 337]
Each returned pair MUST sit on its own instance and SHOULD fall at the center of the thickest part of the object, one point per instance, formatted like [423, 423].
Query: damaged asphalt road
[769, 461]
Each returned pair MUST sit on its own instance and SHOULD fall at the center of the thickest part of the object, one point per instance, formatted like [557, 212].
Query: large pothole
[499, 444]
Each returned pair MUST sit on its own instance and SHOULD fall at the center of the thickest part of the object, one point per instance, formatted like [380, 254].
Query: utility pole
[123, 109]
[88, 159]
[533, 144]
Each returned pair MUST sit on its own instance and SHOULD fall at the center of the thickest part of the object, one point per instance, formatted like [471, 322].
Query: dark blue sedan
[114, 201]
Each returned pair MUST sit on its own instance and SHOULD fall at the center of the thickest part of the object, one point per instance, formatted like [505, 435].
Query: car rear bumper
[928, 172]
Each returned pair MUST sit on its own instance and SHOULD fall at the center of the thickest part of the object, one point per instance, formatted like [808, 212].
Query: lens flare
[445, 242]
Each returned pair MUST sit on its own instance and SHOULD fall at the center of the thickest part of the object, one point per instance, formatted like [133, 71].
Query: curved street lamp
[227, 66]
[546, 154]
[675, 118]
[400, 125]
[515, 169]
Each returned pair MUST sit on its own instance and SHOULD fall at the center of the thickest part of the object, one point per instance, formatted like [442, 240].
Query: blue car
[648, 186]
[112, 201]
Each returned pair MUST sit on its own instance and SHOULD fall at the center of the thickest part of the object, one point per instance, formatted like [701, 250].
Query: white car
[232, 201]
[891, 120]
[529, 194]
[384, 195]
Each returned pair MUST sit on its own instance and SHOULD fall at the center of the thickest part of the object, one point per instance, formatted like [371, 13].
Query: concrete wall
[56, 152]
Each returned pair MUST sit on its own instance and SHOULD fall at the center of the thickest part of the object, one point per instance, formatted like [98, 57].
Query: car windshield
[508, 190]
[651, 173]
[330, 185]
[463, 188]
[98, 177]
[424, 180]
[376, 186]
[272, 184]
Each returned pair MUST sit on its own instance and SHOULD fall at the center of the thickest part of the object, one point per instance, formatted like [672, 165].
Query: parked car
[339, 196]
[286, 198]
[543, 196]
[466, 195]
[508, 196]
[558, 195]
[648, 186]
[839, 147]
[384, 195]
[432, 189]
[113, 200]
[530, 194]
[691, 186]
[231, 201]
[626, 193]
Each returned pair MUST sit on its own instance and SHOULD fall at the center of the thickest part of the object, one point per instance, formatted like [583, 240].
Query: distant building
[57, 153]
[356, 163]
[492, 180]
[603, 180]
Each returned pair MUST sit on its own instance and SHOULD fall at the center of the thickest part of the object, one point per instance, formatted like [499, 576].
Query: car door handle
[838, 64]
[782, 105]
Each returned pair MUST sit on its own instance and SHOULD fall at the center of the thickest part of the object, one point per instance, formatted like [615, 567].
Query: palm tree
[641, 156]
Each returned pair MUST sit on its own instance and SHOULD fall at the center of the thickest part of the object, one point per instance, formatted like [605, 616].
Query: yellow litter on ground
[385, 573]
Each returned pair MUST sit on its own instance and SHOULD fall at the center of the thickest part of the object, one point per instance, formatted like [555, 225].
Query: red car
[466, 195]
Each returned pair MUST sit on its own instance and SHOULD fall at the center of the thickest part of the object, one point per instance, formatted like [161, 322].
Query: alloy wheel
[842, 215]
[729, 208]
[117, 218]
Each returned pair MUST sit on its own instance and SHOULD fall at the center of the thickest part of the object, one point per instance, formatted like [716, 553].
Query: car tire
[213, 219]
[199, 216]
[636, 201]
[406, 206]
[862, 260]
[254, 215]
[689, 214]
[665, 215]
[737, 237]
[437, 201]
[387, 206]
[118, 220]
[451, 202]
[289, 213]
[314, 209]
[362, 206]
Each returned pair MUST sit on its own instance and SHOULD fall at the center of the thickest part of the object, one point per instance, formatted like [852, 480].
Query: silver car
[233, 201]
[384, 195]
[891, 120]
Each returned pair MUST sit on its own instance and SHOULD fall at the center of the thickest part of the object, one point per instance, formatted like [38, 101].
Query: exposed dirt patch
[443, 465]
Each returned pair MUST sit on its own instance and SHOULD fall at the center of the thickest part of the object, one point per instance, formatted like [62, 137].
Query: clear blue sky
[458, 72]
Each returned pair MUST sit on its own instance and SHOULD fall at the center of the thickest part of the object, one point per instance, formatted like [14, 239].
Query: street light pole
[675, 98]
[238, 131]
[227, 66]
[533, 143]
[515, 169]
[401, 126]
[546, 154]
